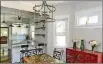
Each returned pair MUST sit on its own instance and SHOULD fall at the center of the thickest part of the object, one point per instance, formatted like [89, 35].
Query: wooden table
[41, 59]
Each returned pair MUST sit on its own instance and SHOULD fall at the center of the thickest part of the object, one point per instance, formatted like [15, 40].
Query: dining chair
[23, 53]
[41, 45]
[58, 53]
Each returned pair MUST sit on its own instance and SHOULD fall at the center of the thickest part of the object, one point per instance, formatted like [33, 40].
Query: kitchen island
[16, 51]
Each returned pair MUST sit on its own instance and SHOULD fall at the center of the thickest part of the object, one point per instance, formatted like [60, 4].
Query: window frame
[88, 13]
[93, 23]
[32, 31]
[63, 34]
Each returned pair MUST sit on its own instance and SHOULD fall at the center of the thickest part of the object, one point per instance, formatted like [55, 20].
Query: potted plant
[93, 43]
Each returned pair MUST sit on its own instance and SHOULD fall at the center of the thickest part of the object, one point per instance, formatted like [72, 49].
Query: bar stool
[23, 52]
[40, 49]
[41, 45]
[24, 47]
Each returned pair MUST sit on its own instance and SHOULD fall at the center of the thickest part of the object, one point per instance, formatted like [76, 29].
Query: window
[82, 21]
[33, 32]
[60, 33]
[19, 30]
[61, 40]
[88, 20]
[93, 19]
[60, 27]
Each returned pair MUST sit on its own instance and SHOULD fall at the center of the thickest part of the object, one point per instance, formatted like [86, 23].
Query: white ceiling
[26, 5]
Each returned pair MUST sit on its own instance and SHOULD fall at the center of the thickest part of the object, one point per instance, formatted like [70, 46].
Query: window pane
[82, 21]
[32, 35]
[61, 41]
[60, 26]
[32, 28]
[4, 31]
[23, 30]
[19, 30]
[93, 19]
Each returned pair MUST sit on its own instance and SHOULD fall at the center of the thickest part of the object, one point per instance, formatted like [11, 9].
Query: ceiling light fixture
[42, 12]
[20, 19]
[19, 15]
[19, 25]
[11, 25]
[27, 26]
[3, 18]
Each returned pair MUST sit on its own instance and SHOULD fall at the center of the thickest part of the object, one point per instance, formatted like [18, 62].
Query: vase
[82, 45]
[74, 45]
[93, 48]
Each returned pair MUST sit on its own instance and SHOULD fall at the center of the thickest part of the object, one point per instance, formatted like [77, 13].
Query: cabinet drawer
[71, 52]
[80, 60]
[91, 58]
[70, 60]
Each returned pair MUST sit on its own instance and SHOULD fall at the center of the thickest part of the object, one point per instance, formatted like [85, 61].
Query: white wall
[66, 10]
[89, 33]
[62, 12]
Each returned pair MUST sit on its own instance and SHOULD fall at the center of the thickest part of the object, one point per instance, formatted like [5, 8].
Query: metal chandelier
[44, 12]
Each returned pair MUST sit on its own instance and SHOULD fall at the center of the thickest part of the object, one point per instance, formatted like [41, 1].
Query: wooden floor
[6, 61]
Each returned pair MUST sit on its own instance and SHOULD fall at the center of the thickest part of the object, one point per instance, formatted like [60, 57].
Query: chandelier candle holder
[93, 43]
[44, 12]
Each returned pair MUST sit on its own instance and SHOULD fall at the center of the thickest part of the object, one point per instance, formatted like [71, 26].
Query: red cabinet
[86, 56]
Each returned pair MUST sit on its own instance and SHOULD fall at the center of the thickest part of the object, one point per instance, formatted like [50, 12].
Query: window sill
[89, 26]
[60, 46]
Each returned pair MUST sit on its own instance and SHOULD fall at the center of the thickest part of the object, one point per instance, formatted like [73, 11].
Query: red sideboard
[86, 56]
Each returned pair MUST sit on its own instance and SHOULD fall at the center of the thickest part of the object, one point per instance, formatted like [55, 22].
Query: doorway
[4, 41]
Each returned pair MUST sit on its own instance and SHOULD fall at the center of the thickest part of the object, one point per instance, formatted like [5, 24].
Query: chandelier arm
[44, 2]
[50, 9]
[52, 13]
[4, 17]
[21, 18]
[50, 6]
[37, 6]
[15, 16]
[41, 6]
